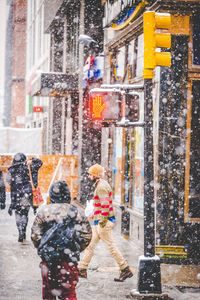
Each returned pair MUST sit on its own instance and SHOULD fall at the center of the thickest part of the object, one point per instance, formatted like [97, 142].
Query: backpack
[59, 243]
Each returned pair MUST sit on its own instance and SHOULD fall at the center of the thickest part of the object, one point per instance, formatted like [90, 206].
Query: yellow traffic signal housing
[156, 37]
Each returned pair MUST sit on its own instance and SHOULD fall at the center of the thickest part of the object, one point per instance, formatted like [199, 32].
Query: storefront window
[194, 183]
[138, 172]
[196, 41]
[117, 164]
[128, 166]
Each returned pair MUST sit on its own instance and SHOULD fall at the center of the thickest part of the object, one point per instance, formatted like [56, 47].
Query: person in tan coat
[104, 221]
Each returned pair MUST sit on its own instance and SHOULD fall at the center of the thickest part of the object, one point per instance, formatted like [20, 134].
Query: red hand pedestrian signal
[104, 105]
[97, 107]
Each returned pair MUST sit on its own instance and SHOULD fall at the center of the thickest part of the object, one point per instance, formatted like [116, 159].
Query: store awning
[54, 84]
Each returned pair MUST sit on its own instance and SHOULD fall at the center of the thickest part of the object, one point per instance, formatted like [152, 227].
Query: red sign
[105, 105]
[37, 108]
[97, 107]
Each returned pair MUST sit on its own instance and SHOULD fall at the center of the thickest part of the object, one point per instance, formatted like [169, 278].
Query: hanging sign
[119, 14]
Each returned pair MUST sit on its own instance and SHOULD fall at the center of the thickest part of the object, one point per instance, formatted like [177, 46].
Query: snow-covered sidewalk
[20, 277]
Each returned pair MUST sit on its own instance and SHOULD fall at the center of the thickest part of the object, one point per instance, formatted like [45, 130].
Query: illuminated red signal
[97, 107]
[105, 105]
[113, 105]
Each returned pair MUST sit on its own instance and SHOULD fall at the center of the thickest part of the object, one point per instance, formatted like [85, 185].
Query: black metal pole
[149, 275]
[149, 220]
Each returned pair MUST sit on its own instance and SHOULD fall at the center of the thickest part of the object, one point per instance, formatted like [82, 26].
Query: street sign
[37, 109]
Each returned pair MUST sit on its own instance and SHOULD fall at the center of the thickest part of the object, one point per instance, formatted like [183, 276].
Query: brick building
[14, 105]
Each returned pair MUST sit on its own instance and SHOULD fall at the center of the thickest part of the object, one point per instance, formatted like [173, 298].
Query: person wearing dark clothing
[2, 192]
[60, 232]
[21, 191]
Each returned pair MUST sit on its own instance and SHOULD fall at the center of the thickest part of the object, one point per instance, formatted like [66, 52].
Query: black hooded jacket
[19, 180]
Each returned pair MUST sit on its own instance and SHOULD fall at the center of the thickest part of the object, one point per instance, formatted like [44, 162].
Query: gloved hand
[10, 210]
[34, 210]
[2, 205]
[102, 224]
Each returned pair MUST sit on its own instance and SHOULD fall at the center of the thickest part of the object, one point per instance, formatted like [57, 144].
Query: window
[120, 62]
[196, 40]
[33, 43]
[138, 169]
[117, 164]
[131, 59]
[192, 171]
[39, 40]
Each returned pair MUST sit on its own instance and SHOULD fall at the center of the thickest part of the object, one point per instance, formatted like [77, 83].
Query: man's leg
[46, 282]
[105, 234]
[89, 251]
[21, 217]
[68, 279]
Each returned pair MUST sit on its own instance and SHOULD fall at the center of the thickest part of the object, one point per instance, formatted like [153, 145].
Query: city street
[100, 99]
[20, 274]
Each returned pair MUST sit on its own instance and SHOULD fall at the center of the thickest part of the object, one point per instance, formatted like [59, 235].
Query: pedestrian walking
[2, 191]
[60, 232]
[104, 221]
[21, 191]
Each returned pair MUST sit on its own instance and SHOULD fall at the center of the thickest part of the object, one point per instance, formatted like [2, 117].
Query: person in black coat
[21, 191]
[2, 192]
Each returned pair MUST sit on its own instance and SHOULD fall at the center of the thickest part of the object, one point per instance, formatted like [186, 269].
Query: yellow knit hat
[96, 170]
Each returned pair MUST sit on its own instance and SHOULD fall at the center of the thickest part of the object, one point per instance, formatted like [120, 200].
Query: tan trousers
[105, 234]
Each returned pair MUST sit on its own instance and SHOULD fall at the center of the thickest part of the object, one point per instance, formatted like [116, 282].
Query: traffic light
[112, 105]
[105, 105]
[156, 37]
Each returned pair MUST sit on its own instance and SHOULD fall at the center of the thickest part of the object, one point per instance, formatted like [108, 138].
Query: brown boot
[125, 273]
[82, 273]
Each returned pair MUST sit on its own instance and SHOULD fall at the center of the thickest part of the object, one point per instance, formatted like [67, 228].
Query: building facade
[56, 100]
[62, 69]
[38, 60]
[175, 125]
